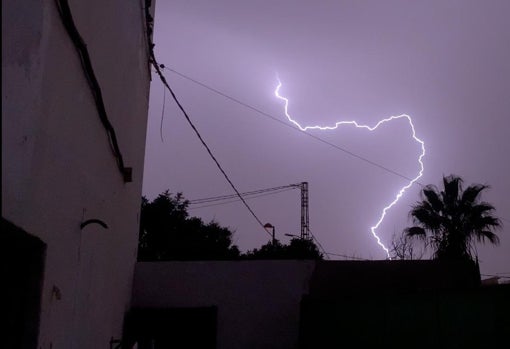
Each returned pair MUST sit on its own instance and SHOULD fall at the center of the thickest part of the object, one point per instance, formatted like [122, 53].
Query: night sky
[444, 63]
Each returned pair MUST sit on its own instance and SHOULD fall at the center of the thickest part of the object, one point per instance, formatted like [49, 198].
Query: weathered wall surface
[258, 301]
[58, 168]
[291, 304]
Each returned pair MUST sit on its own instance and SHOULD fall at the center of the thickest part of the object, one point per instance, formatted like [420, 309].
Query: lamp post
[270, 229]
[293, 236]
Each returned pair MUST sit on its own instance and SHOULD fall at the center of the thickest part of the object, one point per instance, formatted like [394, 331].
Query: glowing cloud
[401, 192]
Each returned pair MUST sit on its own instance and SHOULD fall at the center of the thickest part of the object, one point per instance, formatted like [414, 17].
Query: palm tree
[452, 220]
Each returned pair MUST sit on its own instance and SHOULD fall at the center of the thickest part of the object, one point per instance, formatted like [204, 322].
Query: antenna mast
[305, 223]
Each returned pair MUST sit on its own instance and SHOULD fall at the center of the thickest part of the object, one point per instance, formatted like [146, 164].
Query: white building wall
[58, 168]
[258, 302]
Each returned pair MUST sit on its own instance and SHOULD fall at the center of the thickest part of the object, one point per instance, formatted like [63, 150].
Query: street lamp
[293, 236]
[270, 229]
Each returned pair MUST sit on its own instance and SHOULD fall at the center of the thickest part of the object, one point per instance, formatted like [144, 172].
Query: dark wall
[332, 277]
[22, 267]
[396, 309]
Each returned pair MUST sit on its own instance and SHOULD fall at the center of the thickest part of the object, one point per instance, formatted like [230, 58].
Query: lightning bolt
[401, 192]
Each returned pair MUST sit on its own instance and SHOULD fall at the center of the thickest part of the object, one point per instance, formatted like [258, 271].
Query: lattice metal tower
[305, 223]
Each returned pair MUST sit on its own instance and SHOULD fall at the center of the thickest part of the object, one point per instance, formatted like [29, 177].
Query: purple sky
[445, 63]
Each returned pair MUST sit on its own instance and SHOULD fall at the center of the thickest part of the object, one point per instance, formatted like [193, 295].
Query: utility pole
[305, 223]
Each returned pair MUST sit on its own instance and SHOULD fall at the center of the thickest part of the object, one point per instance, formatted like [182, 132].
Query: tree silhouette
[452, 220]
[168, 233]
[403, 247]
[296, 249]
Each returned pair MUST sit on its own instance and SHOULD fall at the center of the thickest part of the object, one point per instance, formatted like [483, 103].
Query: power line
[345, 256]
[162, 115]
[154, 62]
[226, 197]
[237, 200]
[218, 92]
[319, 244]
[276, 119]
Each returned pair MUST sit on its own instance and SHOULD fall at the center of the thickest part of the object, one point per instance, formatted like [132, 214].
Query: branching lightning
[374, 228]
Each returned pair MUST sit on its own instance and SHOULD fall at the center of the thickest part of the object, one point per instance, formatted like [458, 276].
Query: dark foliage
[297, 249]
[168, 233]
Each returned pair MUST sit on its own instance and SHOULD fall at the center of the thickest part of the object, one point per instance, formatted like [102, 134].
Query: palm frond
[486, 222]
[425, 216]
[489, 235]
[481, 209]
[416, 232]
[471, 194]
[432, 195]
[452, 186]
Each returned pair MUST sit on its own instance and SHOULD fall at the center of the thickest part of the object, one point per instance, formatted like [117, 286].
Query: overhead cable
[274, 118]
[226, 202]
[80, 46]
[345, 256]
[235, 100]
[149, 23]
[248, 193]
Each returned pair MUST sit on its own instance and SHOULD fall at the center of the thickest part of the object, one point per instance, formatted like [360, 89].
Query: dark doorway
[21, 272]
[172, 328]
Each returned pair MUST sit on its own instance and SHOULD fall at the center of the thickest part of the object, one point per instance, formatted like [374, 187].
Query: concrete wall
[57, 165]
[273, 304]
[258, 301]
